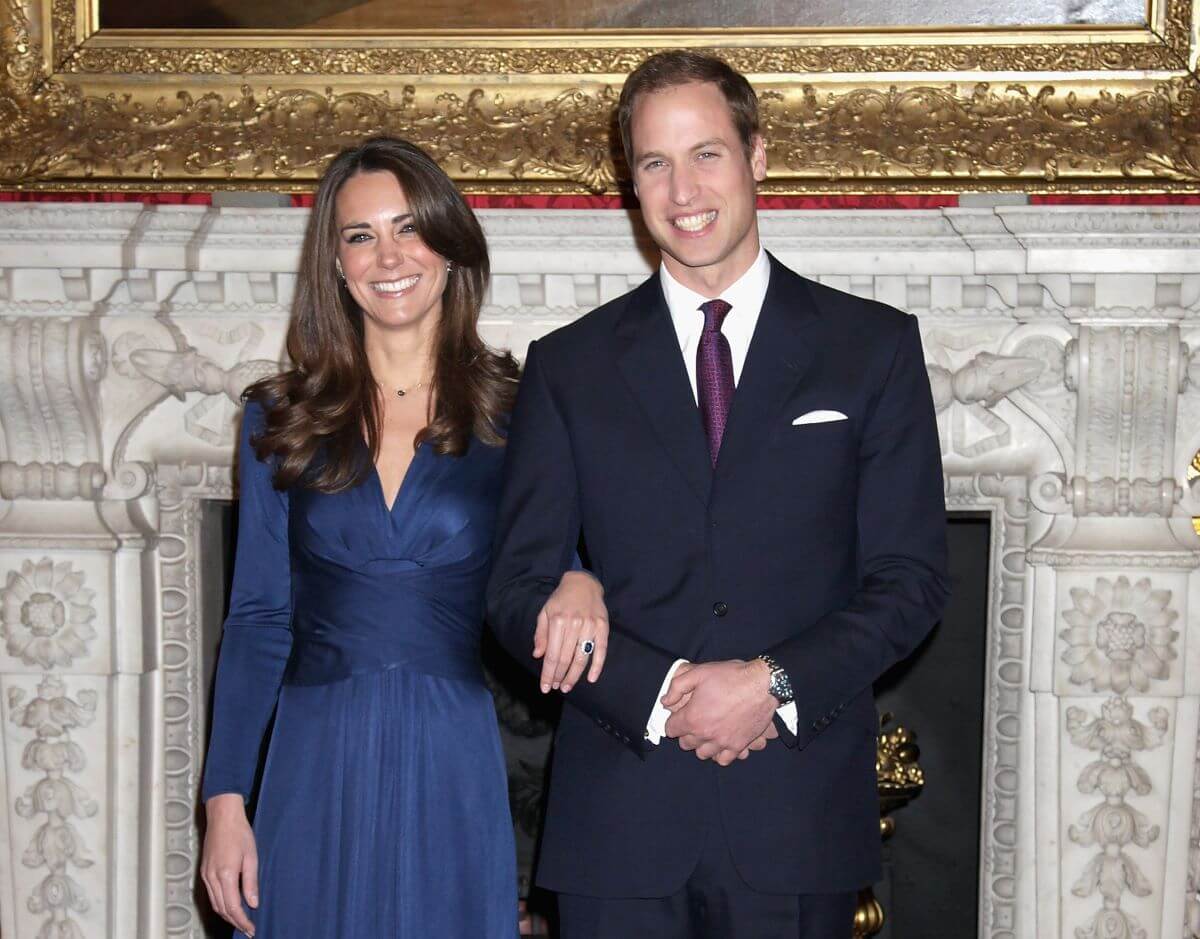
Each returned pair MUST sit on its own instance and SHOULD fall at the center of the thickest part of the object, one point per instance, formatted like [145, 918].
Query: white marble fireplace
[1058, 341]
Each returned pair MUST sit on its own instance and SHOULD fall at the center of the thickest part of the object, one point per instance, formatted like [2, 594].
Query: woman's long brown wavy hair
[318, 412]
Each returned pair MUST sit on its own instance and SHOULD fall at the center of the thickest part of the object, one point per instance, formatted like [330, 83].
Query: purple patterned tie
[714, 374]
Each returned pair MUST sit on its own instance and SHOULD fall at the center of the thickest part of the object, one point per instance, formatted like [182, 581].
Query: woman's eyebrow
[396, 219]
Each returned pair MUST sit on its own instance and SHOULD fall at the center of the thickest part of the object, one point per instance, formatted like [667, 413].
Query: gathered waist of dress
[339, 633]
[323, 660]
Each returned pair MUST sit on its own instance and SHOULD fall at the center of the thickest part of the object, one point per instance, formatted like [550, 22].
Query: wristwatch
[781, 685]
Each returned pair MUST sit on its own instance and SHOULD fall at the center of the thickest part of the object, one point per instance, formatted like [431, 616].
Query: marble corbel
[74, 671]
[1114, 652]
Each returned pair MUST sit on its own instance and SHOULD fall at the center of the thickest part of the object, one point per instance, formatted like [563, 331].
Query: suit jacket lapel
[649, 360]
[779, 355]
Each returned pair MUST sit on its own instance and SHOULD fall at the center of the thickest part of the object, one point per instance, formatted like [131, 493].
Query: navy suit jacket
[821, 544]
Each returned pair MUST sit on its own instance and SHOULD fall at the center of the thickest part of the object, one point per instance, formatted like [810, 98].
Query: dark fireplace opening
[930, 885]
[931, 861]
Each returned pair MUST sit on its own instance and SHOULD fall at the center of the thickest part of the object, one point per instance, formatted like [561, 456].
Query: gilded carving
[1193, 474]
[473, 60]
[968, 132]
[66, 35]
[954, 135]
[896, 761]
[399, 58]
[529, 115]
[441, 57]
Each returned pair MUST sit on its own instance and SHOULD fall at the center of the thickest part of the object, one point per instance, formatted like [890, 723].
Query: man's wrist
[762, 674]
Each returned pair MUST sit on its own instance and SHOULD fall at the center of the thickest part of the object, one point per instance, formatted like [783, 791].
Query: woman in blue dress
[369, 477]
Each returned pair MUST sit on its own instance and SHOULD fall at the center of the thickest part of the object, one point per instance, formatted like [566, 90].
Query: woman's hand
[230, 855]
[574, 613]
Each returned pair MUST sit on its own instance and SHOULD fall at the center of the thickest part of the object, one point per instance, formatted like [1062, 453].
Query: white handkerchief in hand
[819, 417]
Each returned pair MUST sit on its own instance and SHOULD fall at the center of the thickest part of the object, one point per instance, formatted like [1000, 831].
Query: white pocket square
[819, 417]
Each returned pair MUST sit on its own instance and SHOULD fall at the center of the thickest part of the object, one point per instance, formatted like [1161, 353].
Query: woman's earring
[449, 266]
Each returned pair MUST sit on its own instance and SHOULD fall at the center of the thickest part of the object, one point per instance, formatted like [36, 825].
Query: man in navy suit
[749, 463]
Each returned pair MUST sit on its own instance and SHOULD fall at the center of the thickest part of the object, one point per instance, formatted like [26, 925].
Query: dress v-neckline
[408, 471]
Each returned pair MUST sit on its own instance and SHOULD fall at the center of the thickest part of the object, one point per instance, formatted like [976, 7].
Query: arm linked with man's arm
[537, 532]
[902, 552]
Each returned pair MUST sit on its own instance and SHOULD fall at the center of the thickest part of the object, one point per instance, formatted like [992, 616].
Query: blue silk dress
[383, 809]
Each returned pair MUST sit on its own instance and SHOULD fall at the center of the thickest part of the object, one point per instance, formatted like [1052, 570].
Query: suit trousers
[714, 903]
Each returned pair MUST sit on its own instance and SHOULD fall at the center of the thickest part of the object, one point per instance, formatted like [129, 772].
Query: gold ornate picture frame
[936, 110]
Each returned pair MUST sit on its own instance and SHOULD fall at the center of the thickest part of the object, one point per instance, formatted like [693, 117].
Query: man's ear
[758, 157]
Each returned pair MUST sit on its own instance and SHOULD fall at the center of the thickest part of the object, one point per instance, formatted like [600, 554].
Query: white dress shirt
[745, 297]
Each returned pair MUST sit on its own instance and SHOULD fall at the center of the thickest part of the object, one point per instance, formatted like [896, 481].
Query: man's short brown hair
[682, 67]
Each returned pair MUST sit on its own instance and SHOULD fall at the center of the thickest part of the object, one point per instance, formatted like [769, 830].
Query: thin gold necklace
[401, 392]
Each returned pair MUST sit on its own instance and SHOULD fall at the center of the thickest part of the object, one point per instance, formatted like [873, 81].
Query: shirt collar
[745, 297]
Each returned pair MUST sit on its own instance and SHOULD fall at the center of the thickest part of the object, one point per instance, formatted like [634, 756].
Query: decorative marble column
[76, 677]
[1115, 653]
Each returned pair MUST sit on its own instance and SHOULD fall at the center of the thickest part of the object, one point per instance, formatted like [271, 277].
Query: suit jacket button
[720, 608]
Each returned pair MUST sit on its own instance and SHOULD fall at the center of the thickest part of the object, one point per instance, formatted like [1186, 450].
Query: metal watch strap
[781, 685]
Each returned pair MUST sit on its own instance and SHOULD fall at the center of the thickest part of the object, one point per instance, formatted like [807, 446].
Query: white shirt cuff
[787, 713]
[656, 727]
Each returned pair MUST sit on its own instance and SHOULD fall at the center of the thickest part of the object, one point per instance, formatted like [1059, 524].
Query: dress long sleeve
[257, 636]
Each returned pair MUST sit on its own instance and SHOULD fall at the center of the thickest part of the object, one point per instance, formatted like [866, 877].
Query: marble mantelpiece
[1059, 345]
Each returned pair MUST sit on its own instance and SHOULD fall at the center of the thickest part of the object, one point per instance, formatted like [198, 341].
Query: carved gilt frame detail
[1067, 108]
